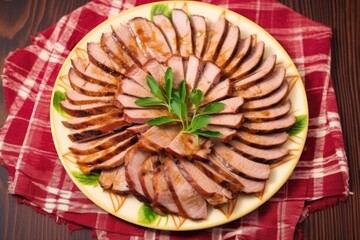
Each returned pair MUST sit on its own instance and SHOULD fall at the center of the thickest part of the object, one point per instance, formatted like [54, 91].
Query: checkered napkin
[37, 176]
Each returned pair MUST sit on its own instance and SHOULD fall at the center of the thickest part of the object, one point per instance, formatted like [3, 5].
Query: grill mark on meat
[125, 38]
[101, 59]
[176, 64]
[216, 38]
[143, 115]
[183, 31]
[272, 113]
[239, 164]
[266, 86]
[281, 124]
[88, 88]
[228, 47]
[103, 155]
[84, 122]
[86, 109]
[227, 120]
[263, 155]
[209, 77]
[243, 49]
[77, 98]
[132, 88]
[93, 132]
[85, 148]
[167, 29]
[107, 178]
[193, 71]
[268, 101]
[200, 34]
[188, 201]
[157, 138]
[264, 69]
[91, 73]
[151, 37]
[250, 62]
[120, 185]
[263, 140]
[214, 194]
[115, 51]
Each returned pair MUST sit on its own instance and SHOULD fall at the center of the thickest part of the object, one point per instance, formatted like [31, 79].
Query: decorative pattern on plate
[231, 60]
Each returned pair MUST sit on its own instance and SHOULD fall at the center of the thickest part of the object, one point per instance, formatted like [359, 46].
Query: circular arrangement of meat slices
[174, 172]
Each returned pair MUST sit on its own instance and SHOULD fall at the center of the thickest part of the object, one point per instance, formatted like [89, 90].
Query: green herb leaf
[196, 97]
[175, 106]
[155, 88]
[299, 126]
[91, 179]
[208, 133]
[213, 108]
[160, 9]
[168, 83]
[59, 96]
[175, 95]
[182, 91]
[199, 122]
[148, 102]
[161, 120]
[146, 215]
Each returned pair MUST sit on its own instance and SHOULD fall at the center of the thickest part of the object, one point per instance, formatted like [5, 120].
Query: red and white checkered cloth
[39, 179]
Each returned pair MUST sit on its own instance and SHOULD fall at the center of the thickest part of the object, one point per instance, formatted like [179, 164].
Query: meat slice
[133, 161]
[265, 68]
[146, 173]
[120, 185]
[251, 61]
[167, 28]
[140, 128]
[239, 164]
[86, 109]
[265, 155]
[156, 70]
[189, 202]
[263, 140]
[77, 98]
[96, 131]
[281, 124]
[227, 133]
[115, 51]
[125, 38]
[96, 145]
[107, 178]
[243, 184]
[162, 195]
[106, 154]
[101, 59]
[151, 37]
[125, 101]
[88, 88]
[83, 122]
[200, 34]
[91, 73]
[269, 100]
[214, 194]
[218, 92]
[232, 105]
[138, 75]
[243, 49]
[183, 145]
[275, 112]
[176, 64]
[269, 84]
[227, 120]
[132, 88]
[228, 47]
[193, 71]
[216, 38]
[143, 115]
[158, 138]
[183, 31]
[209, 77]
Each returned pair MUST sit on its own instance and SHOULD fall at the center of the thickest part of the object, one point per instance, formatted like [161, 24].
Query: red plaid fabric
[38, 177]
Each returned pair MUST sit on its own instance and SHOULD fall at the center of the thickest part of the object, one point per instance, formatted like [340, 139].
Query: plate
[129, 208]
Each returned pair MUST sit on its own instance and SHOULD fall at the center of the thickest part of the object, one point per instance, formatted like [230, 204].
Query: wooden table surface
[21, 19]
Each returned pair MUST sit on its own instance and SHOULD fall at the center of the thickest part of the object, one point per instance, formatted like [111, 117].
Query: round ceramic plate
[129, 208]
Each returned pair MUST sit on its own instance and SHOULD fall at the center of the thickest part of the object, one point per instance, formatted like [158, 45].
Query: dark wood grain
[21, 19]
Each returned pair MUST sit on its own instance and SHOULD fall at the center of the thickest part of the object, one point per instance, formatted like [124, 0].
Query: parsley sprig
[176, 101]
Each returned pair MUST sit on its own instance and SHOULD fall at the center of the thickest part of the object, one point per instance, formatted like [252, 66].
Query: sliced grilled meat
[189, 202]
[132, 88]
[176, 64]
[77, 98]
[183, 31]
[243, 49]
[158, 138]
[209, 77]
[232, 105]
[216, 38]
[275, 112]
[227, 133]
[143, 115]
[167, 28]
[183, 145]
[138, 75]
[263, 140]
[146, 173]
[107, 178]
[120, 185]
[228, 47]
[218, 92]
[200, 34]
[193, 71]
[281, 124]
[227, 120]
[125, 101]
[86, 109]
[156, 70]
